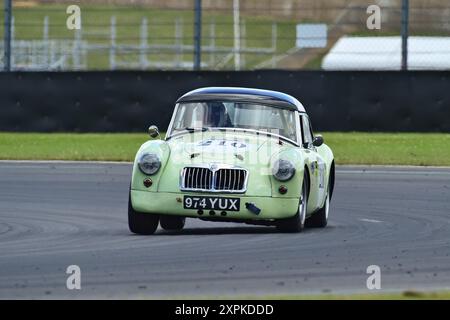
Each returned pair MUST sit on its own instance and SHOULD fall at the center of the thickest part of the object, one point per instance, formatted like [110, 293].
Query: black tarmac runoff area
[57, 214]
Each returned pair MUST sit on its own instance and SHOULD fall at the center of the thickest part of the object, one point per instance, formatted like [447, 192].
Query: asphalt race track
[53, 215]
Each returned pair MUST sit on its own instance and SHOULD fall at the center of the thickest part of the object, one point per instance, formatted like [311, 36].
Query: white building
[384, 53]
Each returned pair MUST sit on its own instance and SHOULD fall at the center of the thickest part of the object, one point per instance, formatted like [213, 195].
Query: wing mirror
[318, 140]
[153, 131]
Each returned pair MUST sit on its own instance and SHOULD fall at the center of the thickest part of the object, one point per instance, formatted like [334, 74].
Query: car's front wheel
[172, 223]
[319, 219]
[141, 223]
[297, 222]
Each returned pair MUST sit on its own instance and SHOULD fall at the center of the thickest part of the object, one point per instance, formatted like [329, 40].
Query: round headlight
[283, 170]
[149, 163]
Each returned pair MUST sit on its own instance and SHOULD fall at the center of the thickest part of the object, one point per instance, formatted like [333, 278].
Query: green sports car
[235, 155]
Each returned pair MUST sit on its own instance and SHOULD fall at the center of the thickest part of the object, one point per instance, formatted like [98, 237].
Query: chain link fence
[227, 35]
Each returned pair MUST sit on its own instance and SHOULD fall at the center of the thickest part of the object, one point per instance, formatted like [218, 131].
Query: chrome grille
[229, 179]
[218, 180]
[197, 178]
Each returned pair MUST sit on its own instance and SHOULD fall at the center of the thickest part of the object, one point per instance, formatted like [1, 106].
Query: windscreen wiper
[190, 129]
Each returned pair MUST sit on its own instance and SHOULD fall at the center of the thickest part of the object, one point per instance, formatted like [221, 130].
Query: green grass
[349, 148]
[63, 146]
[422, 149]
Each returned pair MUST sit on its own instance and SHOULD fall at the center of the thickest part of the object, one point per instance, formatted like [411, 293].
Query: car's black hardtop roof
[274, 98]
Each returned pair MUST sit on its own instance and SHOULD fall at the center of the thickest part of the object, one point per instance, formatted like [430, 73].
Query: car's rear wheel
[319, 219]
[297, 222]
[141, 223]
[172, 223]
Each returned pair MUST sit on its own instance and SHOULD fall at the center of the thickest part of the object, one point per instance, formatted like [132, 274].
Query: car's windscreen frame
[171, 132]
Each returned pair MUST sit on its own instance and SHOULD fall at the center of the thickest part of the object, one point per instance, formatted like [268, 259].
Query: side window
[310, 129]
[306, 131]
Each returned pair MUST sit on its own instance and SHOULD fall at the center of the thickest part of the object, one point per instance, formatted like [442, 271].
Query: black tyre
[141, 223]
[172, 223]
[297, 222]
[319, 219]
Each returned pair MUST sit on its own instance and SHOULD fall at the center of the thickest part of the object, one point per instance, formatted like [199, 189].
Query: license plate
[211, 203]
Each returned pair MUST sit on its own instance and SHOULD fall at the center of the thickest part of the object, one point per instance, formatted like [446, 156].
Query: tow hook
[252, 208]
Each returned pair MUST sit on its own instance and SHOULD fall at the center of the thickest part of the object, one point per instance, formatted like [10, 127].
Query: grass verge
[66, 146]
[421, 149]
[349, 148]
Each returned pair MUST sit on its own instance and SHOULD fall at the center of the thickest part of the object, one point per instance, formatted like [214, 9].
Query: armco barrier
[131, 101]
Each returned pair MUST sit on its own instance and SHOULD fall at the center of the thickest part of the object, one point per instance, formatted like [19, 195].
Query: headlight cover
[149, 163]
[283, 170]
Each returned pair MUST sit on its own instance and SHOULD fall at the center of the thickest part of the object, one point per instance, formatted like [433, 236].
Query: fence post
[7, 36]
[144, 47]
[46, 49]
[112, 47]
[197, 34]
[212, 43]
[52, 54]
[237, 35]
[243, 44]
[12, 59]
[405, 25]
[274, 42]
[76, 50]
[179, 42]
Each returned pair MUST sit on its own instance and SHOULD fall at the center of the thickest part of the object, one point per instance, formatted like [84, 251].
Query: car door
[316, 166]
